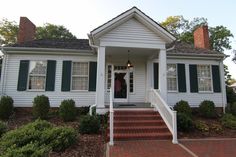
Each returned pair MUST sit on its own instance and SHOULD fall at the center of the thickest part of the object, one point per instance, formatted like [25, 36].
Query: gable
[132, 31]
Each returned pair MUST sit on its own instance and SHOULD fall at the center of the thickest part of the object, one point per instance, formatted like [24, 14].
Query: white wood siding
[194, 99]
[132, 31]
[25, 98]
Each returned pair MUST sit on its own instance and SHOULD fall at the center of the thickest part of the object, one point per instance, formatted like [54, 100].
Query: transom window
[37, 75]
[80, 74]
[204, 78]
[171, 77]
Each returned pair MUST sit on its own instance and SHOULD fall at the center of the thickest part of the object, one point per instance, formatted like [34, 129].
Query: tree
[8, 32]
[234, 58]
[228, 78]
[51, 31]
[183, 29]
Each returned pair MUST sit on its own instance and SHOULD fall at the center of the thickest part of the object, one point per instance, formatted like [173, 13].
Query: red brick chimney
[201, 37]
[26, 30]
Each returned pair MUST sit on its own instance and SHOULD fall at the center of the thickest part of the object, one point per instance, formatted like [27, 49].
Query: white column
[223, 90]
[100, 89]
[162, 74]
[149, 76]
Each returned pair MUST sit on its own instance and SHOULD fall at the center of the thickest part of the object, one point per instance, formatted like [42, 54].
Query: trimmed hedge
[207, 109]
[6, 107]
[183, 107]
[184, 122]
[67, 110]
[41, 106]
[3, 128]
[89, 125]
[228, 121]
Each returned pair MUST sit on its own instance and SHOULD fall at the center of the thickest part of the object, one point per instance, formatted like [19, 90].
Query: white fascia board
[195, 56]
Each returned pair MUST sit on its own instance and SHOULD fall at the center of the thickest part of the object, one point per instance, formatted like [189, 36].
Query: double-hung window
[204, 78]
[80, 75]
[171, 77]
[37, 75]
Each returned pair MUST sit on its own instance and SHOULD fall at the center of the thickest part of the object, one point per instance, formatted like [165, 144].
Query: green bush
[233, 108]
[183, 107]
[207, 109]
[6, 107]
[41, 106]
[184, 122]
[84, 110]
[228, 121]
[3, 128]
[231, 95]
[89, 125]
[39, 134]
[202, 126]
[67, 110]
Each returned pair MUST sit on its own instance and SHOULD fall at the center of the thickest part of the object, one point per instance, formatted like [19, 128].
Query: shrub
[184, 122]
[89, 125]
[36, 139]
[233, 108]
[83, 110]
[207, 109]
[67, 110]
[41, 106]
[183, 107]
[6, 107]
[229, 121]
[216, 128]
[231, 95]
[3, 128]
[201, 126]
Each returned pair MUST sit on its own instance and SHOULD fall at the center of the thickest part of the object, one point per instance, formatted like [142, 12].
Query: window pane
[79, 83]
[204, 77]
[131, 82]
[171, 70]
[80, 68]
[171, 84]
[109, 69]
[38, 67]
[37, 82]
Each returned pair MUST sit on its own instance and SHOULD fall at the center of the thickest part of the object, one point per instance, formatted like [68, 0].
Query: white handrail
[168, 115]
[91, 109]
[111, 118]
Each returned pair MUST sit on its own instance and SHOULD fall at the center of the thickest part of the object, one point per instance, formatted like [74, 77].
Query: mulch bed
[196, 134]
[86, 145]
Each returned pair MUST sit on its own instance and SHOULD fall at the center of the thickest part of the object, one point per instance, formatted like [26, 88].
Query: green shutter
[156, 75]
[193, 78]
[51, 73]
[181, 77]
[92, 76]
[216, 78]
[66, 76]
[23, 75]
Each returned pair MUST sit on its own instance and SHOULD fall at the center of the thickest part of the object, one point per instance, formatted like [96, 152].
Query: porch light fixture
[129, 64]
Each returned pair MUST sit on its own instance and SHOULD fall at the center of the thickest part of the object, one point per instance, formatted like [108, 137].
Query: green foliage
[207, 109]
[233, 108]
[216, 128]
[183, 107]
[67, 110]
[84, 110]
[8, 32]
[51, 31]
[3, 128]
[41, 106]
[6, 107]
[89, 125]
[231, 95]
[40, 135]
[184, 122]
[228, 121]
[183, 30]
[202, 126]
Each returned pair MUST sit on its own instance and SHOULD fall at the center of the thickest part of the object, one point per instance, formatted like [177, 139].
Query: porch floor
[131, 105]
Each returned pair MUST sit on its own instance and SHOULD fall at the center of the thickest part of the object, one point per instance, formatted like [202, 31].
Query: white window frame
[167, 77]
[210, 91]
[45, 75]
[133, 80]
[71, 85]
[108, 89]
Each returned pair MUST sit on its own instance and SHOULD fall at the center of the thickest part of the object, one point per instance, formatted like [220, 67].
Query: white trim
[127, 86]
[176, 70]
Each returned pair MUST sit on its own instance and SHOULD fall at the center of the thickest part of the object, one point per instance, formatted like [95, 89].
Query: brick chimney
[26, 31]
[201, 37]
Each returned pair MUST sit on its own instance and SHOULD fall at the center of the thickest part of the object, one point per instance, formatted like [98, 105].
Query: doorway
[120, 86]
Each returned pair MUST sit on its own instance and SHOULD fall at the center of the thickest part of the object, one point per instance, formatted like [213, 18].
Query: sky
[82, 16]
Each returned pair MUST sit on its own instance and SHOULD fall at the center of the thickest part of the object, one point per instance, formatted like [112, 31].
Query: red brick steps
[139, 124]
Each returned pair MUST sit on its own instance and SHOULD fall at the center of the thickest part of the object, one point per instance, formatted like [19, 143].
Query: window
[131, 81]
[171, 77]
[204, 78]
[109, 73]
[80, 73]
[37, 75]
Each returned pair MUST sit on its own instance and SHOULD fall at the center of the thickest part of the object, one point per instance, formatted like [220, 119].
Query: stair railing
[111, 119]
[168, 115]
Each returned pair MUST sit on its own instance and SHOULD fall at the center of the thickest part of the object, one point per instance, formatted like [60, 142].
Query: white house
[86, 69]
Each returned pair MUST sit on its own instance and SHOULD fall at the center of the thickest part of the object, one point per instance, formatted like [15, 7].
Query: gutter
[91, 42]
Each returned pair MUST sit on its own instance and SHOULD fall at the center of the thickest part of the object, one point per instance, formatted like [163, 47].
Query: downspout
[224, 94]
[3, 71]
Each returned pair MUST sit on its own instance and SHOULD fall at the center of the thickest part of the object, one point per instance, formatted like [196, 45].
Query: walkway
[186, 148]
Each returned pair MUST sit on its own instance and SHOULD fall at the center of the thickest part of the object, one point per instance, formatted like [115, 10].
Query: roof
[76, 44]
[179, 47]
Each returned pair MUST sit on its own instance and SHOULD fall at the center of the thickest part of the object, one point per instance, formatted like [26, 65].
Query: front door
[120, 86]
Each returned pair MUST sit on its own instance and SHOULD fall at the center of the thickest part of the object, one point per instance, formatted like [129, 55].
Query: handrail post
[174, 119]
[111, 143]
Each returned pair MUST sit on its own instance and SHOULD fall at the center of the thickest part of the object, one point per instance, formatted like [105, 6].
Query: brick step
[135, 112]
[140, 129]
[137, 117]
[138, 123]
[141, 136]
